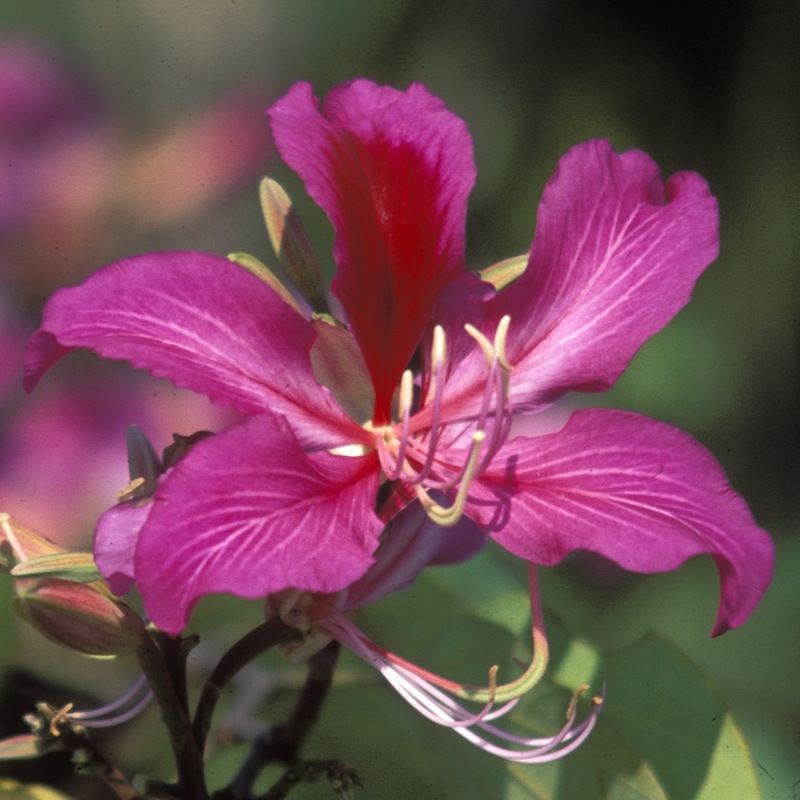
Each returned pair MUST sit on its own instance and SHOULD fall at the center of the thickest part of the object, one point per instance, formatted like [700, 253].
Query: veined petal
[247, 512]
[615, 257]
[393, 171]
[634, 490]
[204, 323]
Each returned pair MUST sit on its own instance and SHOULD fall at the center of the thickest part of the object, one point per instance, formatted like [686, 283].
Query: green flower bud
[83, 617]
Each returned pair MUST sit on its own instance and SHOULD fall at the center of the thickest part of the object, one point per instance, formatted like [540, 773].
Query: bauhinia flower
[415, 386]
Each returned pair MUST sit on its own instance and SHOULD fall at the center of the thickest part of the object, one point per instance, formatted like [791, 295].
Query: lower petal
[634, 490]
[248, 513]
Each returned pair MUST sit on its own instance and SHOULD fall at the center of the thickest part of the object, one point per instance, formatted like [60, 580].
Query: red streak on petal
[399, 249]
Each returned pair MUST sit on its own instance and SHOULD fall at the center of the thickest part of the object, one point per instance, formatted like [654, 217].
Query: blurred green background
[708, 86]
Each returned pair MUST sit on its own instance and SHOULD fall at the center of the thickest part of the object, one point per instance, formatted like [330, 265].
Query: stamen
[485, 344]
[401, 469]
[59, 715]
[502, 418]
[500, 336]
[399, 453]
[99, 717]
[406, 394]
[405, 400]
[119, 719]
[447, 517]
[509, 691]
[114, 705]
[419, 688]
[133, 489]
[438, 359]
[538, 666]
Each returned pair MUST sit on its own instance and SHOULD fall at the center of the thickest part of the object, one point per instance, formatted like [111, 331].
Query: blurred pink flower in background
[71, 186]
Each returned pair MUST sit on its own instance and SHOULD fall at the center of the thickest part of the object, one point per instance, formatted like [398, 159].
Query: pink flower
[417, 395]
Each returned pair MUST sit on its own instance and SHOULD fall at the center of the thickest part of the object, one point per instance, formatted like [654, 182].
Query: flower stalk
[188, 757]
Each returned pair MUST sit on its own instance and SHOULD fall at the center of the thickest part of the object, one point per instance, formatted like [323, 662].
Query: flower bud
[79, 616]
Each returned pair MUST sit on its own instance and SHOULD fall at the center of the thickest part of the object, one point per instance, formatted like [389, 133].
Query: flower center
[419, 459]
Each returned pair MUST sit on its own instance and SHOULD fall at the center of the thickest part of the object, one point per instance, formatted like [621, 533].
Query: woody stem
[160, 672]
[267, 635]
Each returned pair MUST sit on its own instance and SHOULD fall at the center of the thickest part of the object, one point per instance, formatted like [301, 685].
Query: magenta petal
[393, 171]
[204, 323]
[115, 540]
[634, 490]
[615, 257]
[248, 513]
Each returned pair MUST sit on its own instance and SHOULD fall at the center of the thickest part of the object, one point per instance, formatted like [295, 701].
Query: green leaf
[661, 701]
[664, 732]
[78, 567]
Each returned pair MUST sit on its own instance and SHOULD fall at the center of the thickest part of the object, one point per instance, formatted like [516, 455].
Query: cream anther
[349, 450]
[500, 337]
[496, 349]
[406, 394]
[439, 348]
[446, 517]
[485, 344]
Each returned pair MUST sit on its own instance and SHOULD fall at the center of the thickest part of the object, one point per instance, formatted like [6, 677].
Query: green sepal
[338, 364]
[78, 567]
[19, 544]
[504, 272]
[261, 270]
[142, 460]
[291, 244]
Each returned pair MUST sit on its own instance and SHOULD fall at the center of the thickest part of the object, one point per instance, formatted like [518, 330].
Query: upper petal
[393, 171]
[615, 257]
[204, 323]
[248, 513]
[638, 492]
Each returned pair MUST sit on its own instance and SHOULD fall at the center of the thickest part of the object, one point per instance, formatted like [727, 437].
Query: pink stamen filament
[442, 709]
[98, 717]
[532, 675]
[450, 516]
[401, 467]
[397, 453]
